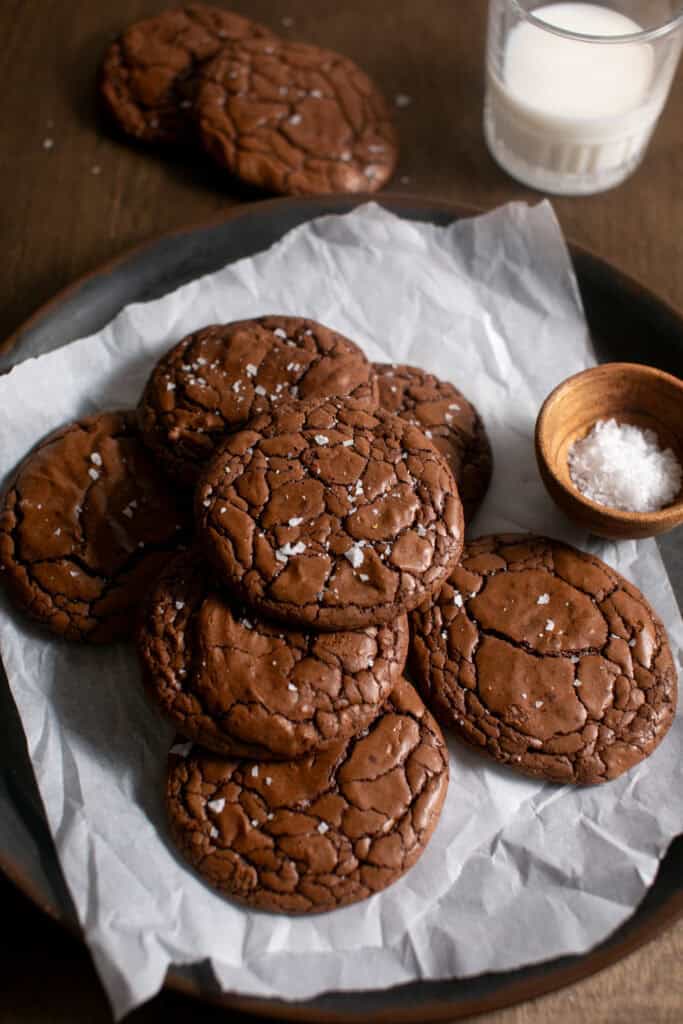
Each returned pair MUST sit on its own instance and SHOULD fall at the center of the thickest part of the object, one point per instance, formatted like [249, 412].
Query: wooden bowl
[628, 393]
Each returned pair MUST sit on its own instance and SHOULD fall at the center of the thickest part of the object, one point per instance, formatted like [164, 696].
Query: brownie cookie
[215, 380]
[326, 515]
[244, 687]
[149, 76]
[319, 833]
[546, 659]
[295, 119]
[86, 526]
[445, 415]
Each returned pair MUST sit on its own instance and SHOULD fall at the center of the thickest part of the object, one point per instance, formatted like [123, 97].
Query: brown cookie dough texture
[244, 687]
[215, 380]
[326, 515]
[295, 119]
[86, 526]
[445, 415]
[321, 832]
[149, 76]
[546, 659]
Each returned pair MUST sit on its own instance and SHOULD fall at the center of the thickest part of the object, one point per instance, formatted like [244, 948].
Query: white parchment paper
[516, 871]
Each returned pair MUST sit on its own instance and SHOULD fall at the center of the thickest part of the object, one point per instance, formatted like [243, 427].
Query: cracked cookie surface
[321, 832]
[149, 75]
[326, 515]
[245, 687]
[216, 379]
[446, 416]
[294, 119]
[546, 659]
[86, 525]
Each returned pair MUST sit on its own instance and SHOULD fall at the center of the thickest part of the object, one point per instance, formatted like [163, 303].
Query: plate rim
[517, 990]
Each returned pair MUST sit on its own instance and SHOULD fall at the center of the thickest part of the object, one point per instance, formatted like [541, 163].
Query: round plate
[627, 322]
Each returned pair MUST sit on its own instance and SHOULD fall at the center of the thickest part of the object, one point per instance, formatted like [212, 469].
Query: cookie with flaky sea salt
[326, 515]
[295, 119]
[245, 687]
[445, 415]
[86, 525]
[216, 379]
[326, 830]
[546, 659]
[149, 75]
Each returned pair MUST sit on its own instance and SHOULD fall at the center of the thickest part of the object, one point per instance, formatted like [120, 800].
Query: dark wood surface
[73, 196]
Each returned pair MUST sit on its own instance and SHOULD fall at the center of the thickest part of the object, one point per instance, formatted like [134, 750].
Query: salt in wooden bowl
[628, 393]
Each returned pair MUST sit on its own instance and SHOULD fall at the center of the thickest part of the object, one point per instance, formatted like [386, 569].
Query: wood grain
[89, 196]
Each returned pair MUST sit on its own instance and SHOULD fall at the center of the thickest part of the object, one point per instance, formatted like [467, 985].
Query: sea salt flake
[213, 832]
[268, 780]
[58, 531]
[170, 386]
[457, 600]
[250, 370]
[254, 823]
[259, 389]
[577, 682]
[216, 805]
[321, 439]
[348, 443]
[355, 554]
[622, 466]
[363, 577]
[93, 474]
[292, 688]
[254, 771]
[543, 599]
[549, 625]
[96, 458]
[179, 605]
[181, 749]
[287, 550]
[295, 119]
[295, 521]
[538, 703]
[323, 827]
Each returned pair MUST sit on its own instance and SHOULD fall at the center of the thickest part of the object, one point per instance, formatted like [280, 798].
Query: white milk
[568, 116]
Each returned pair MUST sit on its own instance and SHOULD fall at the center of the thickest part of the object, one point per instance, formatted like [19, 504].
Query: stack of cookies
[281, 524]
[283, 116]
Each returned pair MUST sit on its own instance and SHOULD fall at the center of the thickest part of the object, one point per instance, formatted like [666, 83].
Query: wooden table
[74, 196]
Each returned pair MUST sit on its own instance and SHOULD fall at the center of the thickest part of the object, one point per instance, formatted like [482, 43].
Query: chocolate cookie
[215, 380]
[295, 119]
[248, 688]
[86, 526]
[324, 514]
[149, 76]
[546, 659]
[445, 415]
[319, 833]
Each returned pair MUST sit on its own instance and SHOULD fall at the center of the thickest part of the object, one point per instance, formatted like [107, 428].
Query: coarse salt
[355, 554]
[622, 466]
[543, 599]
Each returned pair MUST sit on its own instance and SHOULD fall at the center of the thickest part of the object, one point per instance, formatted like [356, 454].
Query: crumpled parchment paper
[517, 871]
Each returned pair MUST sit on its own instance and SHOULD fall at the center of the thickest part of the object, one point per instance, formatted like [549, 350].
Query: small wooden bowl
[628, 393]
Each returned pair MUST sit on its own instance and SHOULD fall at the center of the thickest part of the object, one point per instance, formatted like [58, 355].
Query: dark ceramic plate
[627, 322]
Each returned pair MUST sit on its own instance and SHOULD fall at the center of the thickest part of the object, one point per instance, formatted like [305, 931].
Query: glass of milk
[574, 90]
